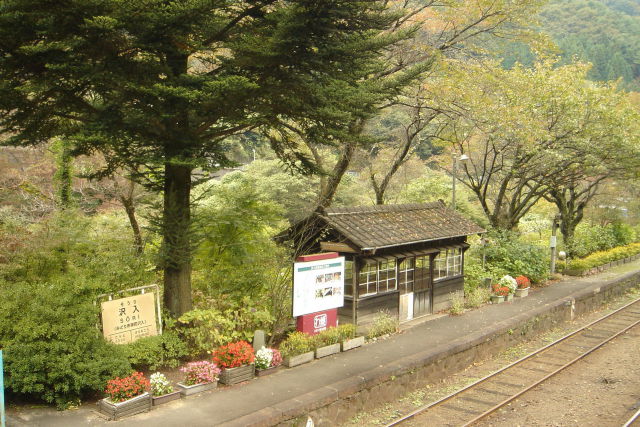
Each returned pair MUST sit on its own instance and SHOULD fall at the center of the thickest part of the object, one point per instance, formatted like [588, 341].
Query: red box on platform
[317, 322]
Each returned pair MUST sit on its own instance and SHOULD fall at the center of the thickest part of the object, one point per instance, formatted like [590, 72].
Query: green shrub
[346, 331]
[296, 343]
[151, 353]
[474, 274]
[457, 304]
[603, 257]
[383, 324]
[52, 348]
[205, 329]
[590, 238]
[506, 253]
[327, 337]
[477, 297]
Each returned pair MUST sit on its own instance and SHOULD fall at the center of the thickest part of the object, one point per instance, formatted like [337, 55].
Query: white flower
[509, 282]
[263, 358]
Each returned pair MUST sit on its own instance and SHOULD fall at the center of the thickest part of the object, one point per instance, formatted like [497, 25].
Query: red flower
[234, 354]
[523, 282]
[121, 389]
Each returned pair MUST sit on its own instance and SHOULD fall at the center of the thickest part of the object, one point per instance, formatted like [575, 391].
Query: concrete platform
[335, 388]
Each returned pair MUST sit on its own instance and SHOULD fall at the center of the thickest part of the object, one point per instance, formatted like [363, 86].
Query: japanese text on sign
[318, 285]
[125, 320]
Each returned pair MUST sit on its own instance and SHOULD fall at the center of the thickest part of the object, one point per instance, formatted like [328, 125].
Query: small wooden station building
[407, 260]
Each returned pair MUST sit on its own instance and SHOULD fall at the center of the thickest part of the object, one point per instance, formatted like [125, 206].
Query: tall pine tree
[158, 85]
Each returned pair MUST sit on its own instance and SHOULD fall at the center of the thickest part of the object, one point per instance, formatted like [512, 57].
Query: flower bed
[268, 361]
[236, 360]
[199, 376]
[126, 396]
[297, 349]
[162, 390]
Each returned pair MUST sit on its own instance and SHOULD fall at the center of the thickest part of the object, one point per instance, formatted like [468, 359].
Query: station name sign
[127, 319]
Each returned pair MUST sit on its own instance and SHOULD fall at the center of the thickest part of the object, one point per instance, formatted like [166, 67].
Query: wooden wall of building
[442, 291]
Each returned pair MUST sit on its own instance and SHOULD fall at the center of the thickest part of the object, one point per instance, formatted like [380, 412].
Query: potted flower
[499, 293]
[510, 283]
[126, 396]
[198, 376]
[297, 349]
[348, 339]
[523, 286]
[327, 343]
[162, 390]
[236, 360]
[268, 361]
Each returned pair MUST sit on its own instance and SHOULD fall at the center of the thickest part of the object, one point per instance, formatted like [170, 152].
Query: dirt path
[588, 383]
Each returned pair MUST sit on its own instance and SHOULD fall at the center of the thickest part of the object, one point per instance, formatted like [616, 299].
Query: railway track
[485, 396]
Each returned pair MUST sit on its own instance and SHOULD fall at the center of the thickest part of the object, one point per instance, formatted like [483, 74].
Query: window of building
[422, 273]
[348, 278]
[405, 278]
[448, 263]
[377, 278]
[368, 280]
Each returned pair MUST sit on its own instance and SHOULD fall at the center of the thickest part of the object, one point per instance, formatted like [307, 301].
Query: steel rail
[633, 418]
[517, 362]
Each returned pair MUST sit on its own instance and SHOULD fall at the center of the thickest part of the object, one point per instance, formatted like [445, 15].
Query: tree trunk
[130, 209]
[333, 181]
[63, 174]
[176, 239]
[568, 230]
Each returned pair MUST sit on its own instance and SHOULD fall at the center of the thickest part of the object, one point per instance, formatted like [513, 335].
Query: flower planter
[188, 390]
[117, 410]
[268, 371]
[352, 343]
[165, 398]
[292, 361]
[521, 293]
[497, 299]
[237, 375]
[509, 297]
[327, 350]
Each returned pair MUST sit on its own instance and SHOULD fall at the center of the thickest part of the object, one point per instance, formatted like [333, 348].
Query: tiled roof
[382, 226]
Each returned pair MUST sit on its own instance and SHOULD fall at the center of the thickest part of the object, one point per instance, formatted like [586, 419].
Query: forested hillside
[605, 33]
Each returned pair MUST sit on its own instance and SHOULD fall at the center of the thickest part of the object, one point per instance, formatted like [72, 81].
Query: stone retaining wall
[341, 401]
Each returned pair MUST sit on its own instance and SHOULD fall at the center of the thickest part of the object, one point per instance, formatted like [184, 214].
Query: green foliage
[151, 353]
[205, 329]
[52, 348]
[477, 297]
[474, 274]
[457, 304]
[296, 343]
[383, 324]
[327, 337]
[346, 331]
[603, 33]
[506, 252]
[237, 257]
[590, 238]
[94, 251]
[597, 259]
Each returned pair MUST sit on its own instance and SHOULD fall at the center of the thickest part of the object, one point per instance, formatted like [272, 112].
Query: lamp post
[456, 159]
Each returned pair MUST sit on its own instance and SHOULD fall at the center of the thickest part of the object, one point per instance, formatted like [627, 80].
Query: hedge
[579, 266]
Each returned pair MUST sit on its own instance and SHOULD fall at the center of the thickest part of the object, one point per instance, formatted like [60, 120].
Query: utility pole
[454, 171]
[552, 243]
